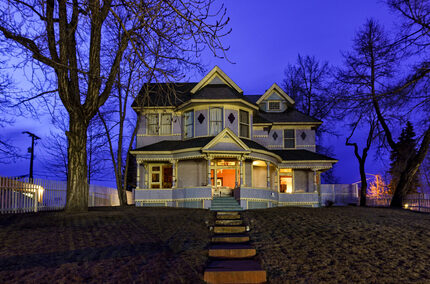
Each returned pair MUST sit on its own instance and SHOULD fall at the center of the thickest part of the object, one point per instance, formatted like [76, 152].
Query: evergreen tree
[406, 149]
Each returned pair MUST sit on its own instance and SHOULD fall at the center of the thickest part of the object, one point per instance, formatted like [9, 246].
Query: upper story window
[274, 105]
[157, 126]
[153, 124]
[189, 124]
[166, 124]
[215, 120]
[244, 123]
[289, 139]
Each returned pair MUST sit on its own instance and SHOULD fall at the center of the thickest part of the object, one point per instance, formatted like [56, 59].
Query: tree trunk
[409, 172]
[363, 190]
[77, 184]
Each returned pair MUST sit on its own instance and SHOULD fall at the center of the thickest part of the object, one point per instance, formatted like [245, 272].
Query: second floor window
[157, 126]
[215, 124]
[244, 123]
[153, 124]
[188, 124]
[166, 124]
[289, 139]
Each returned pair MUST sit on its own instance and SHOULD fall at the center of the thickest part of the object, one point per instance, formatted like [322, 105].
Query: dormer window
[274, 105]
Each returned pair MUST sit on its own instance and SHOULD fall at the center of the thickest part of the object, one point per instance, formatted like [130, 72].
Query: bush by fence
[19, 195]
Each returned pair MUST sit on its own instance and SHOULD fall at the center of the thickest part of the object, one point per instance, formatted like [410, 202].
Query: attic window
[274, 105]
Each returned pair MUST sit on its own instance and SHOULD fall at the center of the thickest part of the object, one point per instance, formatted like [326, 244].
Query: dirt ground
[346, 245]
[105, 245]
[168, 245]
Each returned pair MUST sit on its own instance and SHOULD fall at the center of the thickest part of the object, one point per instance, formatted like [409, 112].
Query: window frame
[289, 138]
[241, 123]
[149, 124]
[211, 121]
[158, 184]
[272, 109]
[186, 124]
[160, 131]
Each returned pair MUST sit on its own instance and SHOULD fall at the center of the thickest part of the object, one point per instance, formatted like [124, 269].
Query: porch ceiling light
[259, 163]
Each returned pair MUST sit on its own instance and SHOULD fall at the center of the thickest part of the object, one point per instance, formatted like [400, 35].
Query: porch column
[316, 187]
[315, 180]
[209, 170]
[241, 163]
[138, 176]
[268, 174]
[173, 162]
[146, 166]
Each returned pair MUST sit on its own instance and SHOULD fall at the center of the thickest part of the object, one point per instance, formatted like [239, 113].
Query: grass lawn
[153, 245]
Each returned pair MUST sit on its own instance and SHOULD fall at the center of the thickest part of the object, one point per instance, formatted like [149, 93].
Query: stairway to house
[225, 203]
[230, 253]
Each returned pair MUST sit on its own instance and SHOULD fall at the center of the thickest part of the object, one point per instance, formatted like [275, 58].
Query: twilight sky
[266, 36]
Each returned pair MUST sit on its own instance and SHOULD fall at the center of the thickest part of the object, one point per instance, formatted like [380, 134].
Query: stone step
[228, 217]
[230, 238]
[227, 213]
[234, 271]
[231, 251]
[228, 222]
[229, 229]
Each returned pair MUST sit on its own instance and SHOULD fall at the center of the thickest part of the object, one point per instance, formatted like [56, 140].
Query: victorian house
[197, 141]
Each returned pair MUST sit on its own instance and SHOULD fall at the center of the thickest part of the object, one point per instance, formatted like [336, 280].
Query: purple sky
[266, 36]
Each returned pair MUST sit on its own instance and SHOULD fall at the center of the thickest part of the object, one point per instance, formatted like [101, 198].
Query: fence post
[36, 197]
[92, 199]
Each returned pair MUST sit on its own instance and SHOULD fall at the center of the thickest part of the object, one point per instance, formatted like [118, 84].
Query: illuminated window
[215, 118]
[274, 105]
[161, 176]
[289, 139]
[189, 124]
[166, 124]
[286, 183]
[244, 123]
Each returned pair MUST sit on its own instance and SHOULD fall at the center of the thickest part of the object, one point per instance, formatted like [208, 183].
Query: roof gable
[226, 140]
[216, 76]
[275, 92]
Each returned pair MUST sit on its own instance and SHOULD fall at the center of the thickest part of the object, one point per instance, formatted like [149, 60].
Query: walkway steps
[231, 255]
[229, 229]
[228, 222]
[234, 271]
[230, 238]
[231, 250]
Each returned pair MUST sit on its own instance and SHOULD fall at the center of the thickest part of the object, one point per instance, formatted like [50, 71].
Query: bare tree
[72, 39]
[309, 83]
[55, 149]
[366, 72]
[411, 92]
[7, 151]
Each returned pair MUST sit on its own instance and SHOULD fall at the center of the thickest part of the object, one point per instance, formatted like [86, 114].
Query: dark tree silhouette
[309, 83]
[71, 41]
[405, 150]
[367, 68]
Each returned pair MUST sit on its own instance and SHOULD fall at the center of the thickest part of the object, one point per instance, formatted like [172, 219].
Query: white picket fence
[346, 194]
[19, 195]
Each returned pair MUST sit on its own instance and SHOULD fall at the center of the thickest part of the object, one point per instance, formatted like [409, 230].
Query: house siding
[192, 173]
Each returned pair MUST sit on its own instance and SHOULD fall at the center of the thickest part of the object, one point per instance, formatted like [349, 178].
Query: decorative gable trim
[216, 72]
[225, 136]
[277, 89]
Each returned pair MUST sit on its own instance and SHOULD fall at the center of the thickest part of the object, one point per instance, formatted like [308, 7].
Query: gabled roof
[277, 89]
[216, 72]
[217, 91]
[226, 136]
